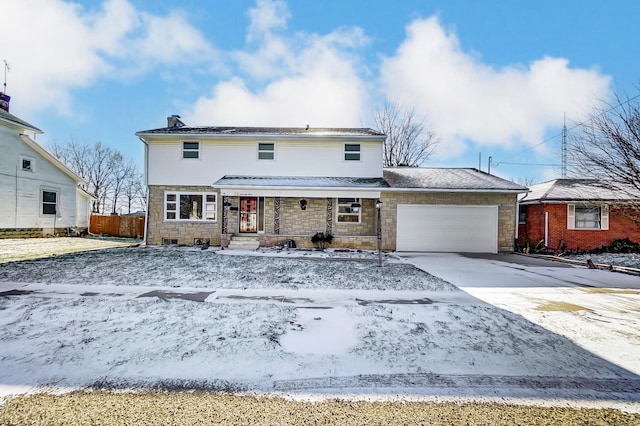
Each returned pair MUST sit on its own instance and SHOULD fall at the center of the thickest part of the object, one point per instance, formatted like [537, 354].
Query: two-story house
[39, 194]
[217, 184]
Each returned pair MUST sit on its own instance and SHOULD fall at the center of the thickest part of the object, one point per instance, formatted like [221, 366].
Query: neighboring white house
[226, 184]
[39, 194]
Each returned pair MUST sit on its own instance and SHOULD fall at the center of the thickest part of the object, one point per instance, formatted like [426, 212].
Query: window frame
[351, 152]
[190, 150]
[347, 205]
[573, 220]
[271, 151]
[56, 203]
[208, 209]
[31, 161]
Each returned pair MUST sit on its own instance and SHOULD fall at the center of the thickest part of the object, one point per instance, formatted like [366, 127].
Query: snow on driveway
[291, 322]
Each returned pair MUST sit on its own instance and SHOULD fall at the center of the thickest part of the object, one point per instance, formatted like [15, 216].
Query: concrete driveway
[515, 270]
[596, 309]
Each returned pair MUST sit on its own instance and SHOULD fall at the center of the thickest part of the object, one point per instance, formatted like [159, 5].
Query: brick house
[577, 214]
[250, 186]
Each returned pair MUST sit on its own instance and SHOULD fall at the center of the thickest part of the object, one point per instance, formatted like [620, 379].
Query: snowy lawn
[13, 249]
[629, 260]
[289, 322]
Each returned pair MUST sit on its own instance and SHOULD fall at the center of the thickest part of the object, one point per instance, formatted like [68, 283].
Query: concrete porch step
[244, 242]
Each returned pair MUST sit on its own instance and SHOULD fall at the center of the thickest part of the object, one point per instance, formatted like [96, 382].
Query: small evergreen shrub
[322, 239]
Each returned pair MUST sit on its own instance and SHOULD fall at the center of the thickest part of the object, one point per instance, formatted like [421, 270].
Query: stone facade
[506, 211]
[184, 232]
[300, 225]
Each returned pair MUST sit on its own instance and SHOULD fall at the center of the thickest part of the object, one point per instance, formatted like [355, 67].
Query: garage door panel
[447, 228]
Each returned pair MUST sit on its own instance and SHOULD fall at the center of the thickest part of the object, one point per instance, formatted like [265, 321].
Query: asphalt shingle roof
[447, 179]
[560, 190]
[7, 116]
[302, 181]
[274, 131]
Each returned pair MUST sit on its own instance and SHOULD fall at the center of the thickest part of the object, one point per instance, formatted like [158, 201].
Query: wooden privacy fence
[117, 226]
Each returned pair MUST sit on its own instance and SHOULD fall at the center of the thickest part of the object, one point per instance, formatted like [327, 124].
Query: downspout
[146, 183]
[546, 229]
[15, 216]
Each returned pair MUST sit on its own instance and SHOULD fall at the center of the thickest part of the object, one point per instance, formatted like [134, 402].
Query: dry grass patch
[16, 249]
[561, 307]
[202, 408]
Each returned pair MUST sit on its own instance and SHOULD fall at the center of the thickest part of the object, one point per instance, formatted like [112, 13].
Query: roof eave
[255, 136]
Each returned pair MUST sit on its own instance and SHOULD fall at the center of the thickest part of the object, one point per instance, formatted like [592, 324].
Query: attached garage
[447, 228]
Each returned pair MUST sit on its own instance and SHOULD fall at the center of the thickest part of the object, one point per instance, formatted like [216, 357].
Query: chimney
[4, 101]
[174, 122]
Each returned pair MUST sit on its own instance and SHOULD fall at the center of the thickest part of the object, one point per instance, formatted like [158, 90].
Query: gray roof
[563, 190]
[447, 179]
[266, 131]
[7, 116]
[302, 182]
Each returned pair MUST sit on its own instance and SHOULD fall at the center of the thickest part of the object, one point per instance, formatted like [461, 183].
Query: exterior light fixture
[355, 207]
[303, 204]
[226, 205]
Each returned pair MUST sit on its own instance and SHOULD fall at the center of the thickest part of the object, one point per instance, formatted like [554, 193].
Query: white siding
[21, 191]
[240, 158]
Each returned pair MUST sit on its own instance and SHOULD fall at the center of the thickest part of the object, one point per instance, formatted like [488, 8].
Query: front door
[249, 215]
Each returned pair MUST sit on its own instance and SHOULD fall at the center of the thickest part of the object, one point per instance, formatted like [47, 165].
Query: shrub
[322, 239]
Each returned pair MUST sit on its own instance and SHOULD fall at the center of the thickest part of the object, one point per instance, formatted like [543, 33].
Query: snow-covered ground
[630, 260]
[292, 322]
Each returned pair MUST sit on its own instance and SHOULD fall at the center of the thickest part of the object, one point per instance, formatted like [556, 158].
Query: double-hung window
[587, 217]
[349, 210]
[352, 152]
[266, 151]
[190, 149]
[49, 202]
[190, 206]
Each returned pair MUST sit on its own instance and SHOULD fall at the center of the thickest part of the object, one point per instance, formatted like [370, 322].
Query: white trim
[32, 164]
[184, 150]
[345, 153]
[604, 217]
[546, 229]
[271, 151]
[298, 192]
[177, 207]
[571, 216]
[359, 212]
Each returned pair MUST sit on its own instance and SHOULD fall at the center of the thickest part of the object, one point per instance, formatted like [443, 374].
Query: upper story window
[349, 210]
[49, 202]
[587, 217]
[352, 152]
[190, 149]
[27, 164]
[266, 151]
[190, 206]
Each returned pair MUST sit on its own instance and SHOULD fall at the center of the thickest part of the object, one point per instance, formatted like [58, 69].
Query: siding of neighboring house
[532, 233]
[21, 190]
[506, 211]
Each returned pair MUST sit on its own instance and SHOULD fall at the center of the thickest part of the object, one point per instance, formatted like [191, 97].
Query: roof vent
[174, 122]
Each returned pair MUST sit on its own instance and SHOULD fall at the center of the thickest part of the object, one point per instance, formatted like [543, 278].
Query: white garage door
[465, 229]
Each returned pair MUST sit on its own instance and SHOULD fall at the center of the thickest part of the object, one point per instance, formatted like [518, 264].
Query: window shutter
[571, 216]
[604, 217]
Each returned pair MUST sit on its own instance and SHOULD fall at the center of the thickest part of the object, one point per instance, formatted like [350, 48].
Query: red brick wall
[620, 226]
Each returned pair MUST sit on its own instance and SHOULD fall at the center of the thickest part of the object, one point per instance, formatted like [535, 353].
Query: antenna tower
[6, 68]
[564, 147]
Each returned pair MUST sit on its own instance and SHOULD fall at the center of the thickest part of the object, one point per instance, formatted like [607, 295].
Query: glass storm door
[249, 214]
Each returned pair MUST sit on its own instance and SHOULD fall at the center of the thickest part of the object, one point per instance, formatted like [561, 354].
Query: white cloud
[55, 46]
[289, 80]
[467, 100]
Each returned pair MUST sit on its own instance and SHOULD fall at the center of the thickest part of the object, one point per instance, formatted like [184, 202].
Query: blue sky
[492, 78]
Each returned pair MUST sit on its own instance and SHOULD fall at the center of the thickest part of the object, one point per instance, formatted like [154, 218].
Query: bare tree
[135, 192]
[104, 168]
[408, 142]
[607, 146]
